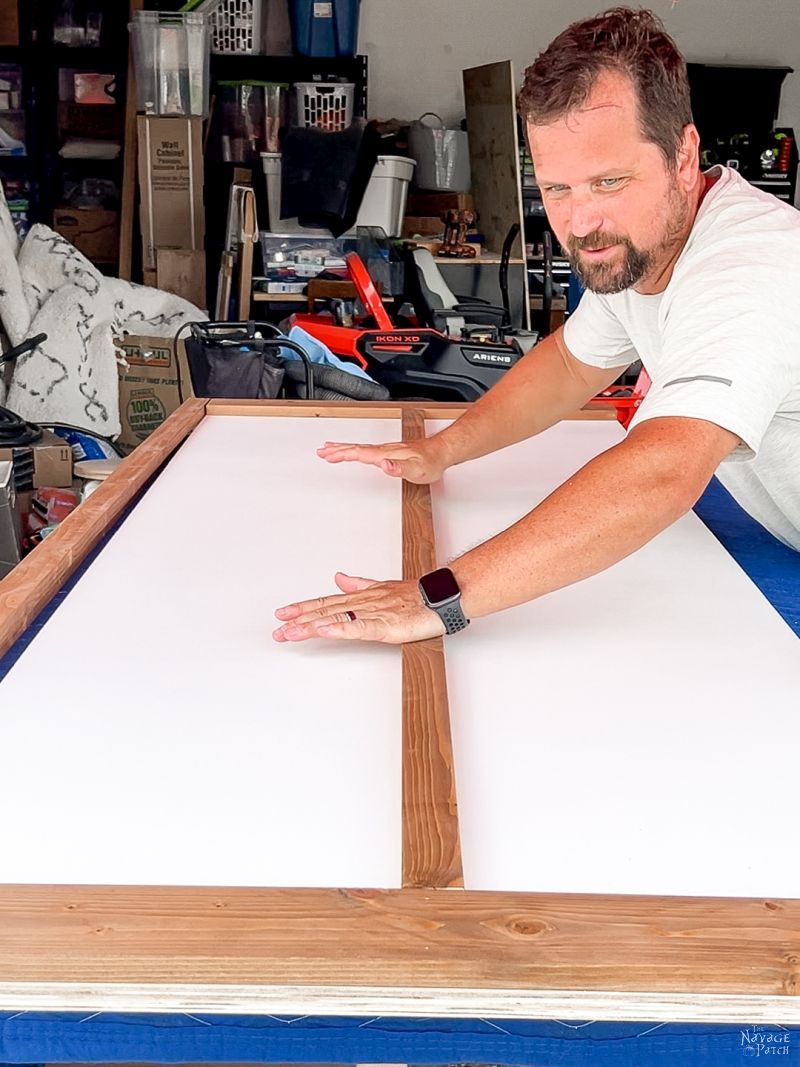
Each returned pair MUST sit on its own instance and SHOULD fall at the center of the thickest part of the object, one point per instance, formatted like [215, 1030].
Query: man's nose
[585, 218]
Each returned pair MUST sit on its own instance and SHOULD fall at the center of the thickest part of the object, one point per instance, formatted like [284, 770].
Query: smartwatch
[441, 594]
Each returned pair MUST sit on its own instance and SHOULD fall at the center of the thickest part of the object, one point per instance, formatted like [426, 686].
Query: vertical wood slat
[431, 843]
[128, 194]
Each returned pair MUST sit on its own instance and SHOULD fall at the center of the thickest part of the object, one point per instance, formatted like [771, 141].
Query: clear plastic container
[308, 256]
[275, 108]
[171, 57]
[247, 120]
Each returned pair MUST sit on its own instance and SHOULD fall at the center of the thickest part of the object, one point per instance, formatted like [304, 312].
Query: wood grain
[128, 193]
[26, 590]
[333, 409]
[410, 951]
[362, 409]
[490, 100]
[431, 842]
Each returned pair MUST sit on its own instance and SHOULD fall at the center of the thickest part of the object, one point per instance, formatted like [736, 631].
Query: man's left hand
[391, 612]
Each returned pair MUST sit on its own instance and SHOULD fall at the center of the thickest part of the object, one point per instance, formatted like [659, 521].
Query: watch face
[439, 585]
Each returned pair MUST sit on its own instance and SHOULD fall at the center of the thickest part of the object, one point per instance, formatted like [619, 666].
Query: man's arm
[607, 510]
[611, 507]
[543, 387]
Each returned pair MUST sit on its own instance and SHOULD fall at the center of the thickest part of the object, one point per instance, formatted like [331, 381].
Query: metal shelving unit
[264, 68]
[48, 120]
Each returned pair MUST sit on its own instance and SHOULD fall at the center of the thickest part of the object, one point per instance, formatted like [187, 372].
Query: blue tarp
[49, 1038]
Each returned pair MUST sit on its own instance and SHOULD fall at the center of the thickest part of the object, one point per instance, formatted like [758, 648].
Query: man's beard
[609, 276]
[612, 276]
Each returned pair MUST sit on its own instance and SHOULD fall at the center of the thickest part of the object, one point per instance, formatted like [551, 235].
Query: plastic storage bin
[171, 53]
[327, 105]
[324, 27]
[307, 255]
[384, 203]
[247, 120]
[383, 206]
[238, 27]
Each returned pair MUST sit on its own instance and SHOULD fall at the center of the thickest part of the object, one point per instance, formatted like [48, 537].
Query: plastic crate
[237, 26]
[326, 105]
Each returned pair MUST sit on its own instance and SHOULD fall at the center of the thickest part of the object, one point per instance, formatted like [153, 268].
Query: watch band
[453, 618]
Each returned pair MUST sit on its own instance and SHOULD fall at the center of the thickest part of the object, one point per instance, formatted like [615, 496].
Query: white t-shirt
[721, 343]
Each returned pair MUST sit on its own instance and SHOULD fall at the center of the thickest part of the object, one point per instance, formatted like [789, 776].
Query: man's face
[620, 213]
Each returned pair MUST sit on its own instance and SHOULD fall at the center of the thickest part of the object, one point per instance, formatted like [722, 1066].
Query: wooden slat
[490, 102]
[128, 192]
[364, 409]
[248, 234]
[332, 409]
[26, 590]
[431, 844]
[410, 951]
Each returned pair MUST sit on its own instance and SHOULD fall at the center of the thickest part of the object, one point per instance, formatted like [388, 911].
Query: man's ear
[688, 156]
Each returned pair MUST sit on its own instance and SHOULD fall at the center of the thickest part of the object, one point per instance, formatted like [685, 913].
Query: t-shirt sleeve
[594, 334]
[730, 356]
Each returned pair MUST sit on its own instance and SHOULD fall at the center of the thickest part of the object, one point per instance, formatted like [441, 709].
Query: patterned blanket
[47, 286]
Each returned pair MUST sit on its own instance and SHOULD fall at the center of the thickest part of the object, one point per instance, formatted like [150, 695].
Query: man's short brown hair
[623, 40]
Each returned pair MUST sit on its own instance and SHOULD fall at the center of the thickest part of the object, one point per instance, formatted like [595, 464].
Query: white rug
[47, 286]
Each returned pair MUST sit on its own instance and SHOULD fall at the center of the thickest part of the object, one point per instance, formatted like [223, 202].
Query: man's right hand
[421, 461]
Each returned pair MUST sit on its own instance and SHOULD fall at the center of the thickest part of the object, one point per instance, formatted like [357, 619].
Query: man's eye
[609, 183]
[555, 188]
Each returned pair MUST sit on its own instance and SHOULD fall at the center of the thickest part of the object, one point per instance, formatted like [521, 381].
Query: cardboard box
[47, 462]
[425, 225]
[170, 184]
[93, 231]
[437, 203]
[151, 387]
[182, 273]
[92, 121]
[9, 22]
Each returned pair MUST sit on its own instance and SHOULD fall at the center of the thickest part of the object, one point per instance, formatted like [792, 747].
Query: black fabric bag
[243, 361]
[324, 175]
[242, 373]
[239, 361]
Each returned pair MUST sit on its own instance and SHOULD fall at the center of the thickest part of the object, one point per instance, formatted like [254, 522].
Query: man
[696, 274]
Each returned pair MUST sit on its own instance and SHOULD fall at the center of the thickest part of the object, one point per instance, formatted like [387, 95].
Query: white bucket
[384, 203]
[384, 198]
